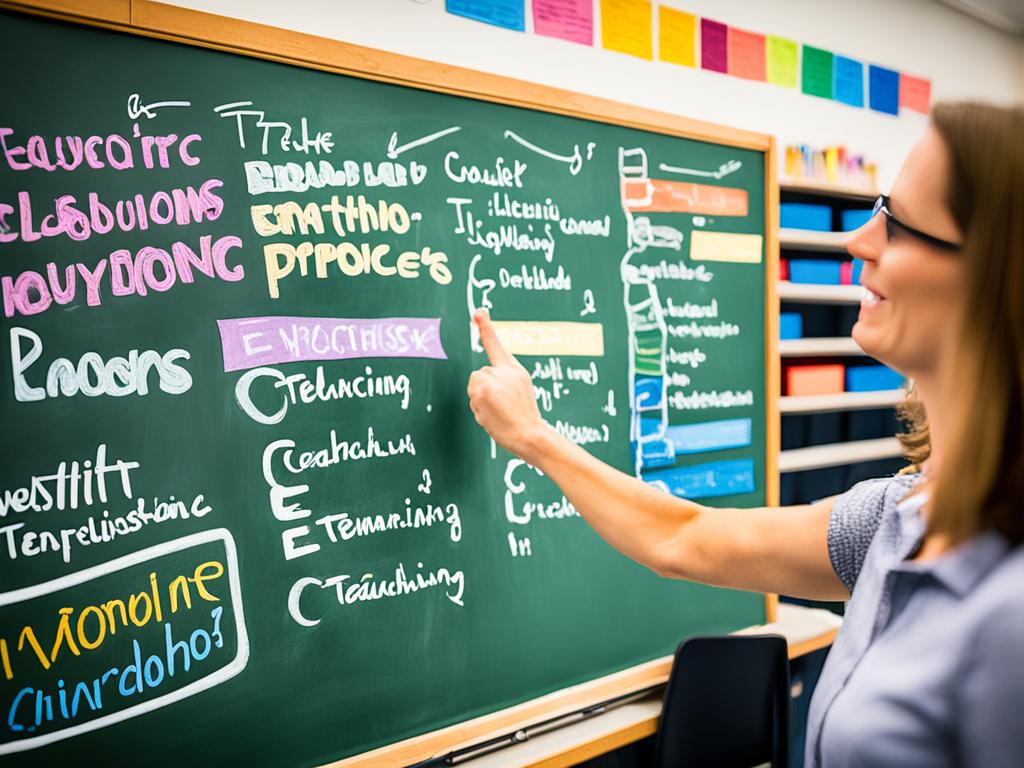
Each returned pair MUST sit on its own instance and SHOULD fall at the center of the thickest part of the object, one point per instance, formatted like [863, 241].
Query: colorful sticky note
[780, 61]
[725, 246]
[677, 36]
[571, 20]
[714, 45]
[746, 54]
[626, 27]
[500, 13]
[915, 93]
[883, 90]
[849, 81]
[817, 72]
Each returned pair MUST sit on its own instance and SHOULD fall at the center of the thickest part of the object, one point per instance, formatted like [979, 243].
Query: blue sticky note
[710, 435]
[884, 90]
[699, 481]
[501, 13]
[849, 81]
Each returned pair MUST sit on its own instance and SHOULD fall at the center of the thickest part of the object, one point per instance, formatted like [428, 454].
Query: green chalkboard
[247, 516]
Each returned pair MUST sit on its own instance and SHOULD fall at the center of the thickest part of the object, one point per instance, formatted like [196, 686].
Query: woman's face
[913, 290]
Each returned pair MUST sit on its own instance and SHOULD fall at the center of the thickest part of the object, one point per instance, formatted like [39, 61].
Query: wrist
[539, 444]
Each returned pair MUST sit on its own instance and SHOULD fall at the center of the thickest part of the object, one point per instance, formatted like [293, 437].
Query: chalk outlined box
[214, 678]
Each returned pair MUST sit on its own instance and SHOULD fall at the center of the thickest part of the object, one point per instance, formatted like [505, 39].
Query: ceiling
[1007, 15]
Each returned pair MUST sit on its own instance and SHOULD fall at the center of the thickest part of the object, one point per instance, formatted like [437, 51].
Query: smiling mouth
[869, 298]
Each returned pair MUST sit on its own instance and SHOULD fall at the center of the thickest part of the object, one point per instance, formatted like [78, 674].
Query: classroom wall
[963, 57]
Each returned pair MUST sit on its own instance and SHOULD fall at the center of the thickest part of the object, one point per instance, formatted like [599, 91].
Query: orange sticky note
[915, 93]
[626, 27]
[814, 379]
[746, 54]
[677, 37]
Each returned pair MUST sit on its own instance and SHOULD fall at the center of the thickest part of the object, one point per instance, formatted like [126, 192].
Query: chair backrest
[726, 704]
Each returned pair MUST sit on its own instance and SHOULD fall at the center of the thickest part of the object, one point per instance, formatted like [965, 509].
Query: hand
[501, 396]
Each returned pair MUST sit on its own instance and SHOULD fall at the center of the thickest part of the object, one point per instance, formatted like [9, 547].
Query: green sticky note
[780, 61]
[817, 72]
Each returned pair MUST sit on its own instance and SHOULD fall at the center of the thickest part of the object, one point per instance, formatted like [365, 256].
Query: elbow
[665, 562]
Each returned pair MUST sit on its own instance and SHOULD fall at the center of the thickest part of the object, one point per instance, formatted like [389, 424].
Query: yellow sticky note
[780, 55]
[725, 246]
[626, 27]
[677, 36]
[530, 337]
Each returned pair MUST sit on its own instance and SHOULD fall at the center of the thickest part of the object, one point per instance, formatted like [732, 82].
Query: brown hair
[980, 484]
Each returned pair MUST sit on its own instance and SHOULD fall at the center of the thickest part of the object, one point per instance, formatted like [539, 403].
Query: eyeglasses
[891, 222]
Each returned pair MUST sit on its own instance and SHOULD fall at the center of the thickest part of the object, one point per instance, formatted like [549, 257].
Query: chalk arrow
[575, 160]
[723, 170]
[394, 150]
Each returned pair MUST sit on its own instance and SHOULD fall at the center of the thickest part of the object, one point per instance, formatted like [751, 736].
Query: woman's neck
[932, 395]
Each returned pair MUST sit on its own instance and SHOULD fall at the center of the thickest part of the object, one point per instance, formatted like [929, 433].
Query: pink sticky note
[571, 20]
[746, 54]
[915, 93]
[714, 45]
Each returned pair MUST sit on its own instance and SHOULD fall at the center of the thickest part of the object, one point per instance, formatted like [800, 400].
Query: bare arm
[782, 549]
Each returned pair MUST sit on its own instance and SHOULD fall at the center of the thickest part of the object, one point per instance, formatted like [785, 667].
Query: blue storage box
[855, 219]
[858, 266]
[818, 272]
[791, 325]
[871, 378]
[805, 216]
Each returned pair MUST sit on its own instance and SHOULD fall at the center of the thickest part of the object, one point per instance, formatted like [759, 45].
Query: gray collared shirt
[928, 668]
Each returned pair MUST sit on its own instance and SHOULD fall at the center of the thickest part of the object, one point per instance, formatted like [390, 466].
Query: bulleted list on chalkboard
[242, 467]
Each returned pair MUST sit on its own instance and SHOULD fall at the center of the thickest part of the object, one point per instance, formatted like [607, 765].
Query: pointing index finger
[489, 338]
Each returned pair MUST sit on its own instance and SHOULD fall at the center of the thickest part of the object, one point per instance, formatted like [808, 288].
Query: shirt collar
[962, 567]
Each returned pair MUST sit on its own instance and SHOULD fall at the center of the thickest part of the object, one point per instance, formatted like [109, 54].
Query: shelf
[809, 240]
[838, 454]
[844, 401]
[832, 189]
[826, 346]
[809, 293]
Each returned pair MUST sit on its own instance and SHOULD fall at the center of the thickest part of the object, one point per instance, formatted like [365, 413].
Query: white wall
[963, 57]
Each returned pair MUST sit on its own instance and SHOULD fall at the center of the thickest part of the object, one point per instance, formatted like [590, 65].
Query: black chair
[726, 704]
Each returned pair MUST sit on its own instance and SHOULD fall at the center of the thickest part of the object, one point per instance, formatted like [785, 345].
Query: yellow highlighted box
[725, 246]
[528, 337]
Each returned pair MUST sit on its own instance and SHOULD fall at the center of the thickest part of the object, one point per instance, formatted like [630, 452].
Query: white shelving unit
[807, 293]
[807, 240]
[838, 454]
[830, 243]
[828, 346]
[844, 401]
[827, 188]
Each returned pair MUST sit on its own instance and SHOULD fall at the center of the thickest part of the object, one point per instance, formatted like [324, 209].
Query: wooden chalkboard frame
[158, 20]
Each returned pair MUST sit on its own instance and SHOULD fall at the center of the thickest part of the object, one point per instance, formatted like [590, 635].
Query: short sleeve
[855, 518]
[992, 692]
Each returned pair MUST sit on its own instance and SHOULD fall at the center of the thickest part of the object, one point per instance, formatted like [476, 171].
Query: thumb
[489, 338]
